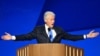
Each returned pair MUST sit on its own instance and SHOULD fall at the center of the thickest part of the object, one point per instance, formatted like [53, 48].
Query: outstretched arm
[28, 36]
[91, 34]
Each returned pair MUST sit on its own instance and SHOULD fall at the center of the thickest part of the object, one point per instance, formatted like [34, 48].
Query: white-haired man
[48, 33]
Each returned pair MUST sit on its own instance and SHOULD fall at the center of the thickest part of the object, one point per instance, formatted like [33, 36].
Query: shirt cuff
[13, 38]
[84, 36]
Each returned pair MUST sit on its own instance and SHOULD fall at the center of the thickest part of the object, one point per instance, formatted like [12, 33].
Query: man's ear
[45, 20]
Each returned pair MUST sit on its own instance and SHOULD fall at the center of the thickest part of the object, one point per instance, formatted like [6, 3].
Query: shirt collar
[46, 26]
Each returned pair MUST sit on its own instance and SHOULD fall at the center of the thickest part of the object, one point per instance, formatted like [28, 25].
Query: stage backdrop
[17, 17]
[74, 16]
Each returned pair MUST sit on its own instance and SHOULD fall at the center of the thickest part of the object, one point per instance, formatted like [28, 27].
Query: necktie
[50, 34]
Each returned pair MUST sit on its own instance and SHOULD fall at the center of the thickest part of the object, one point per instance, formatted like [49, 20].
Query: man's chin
[51, 26]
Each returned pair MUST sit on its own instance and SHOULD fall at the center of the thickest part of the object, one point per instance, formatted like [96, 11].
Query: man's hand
[92, 34]
[7, 36]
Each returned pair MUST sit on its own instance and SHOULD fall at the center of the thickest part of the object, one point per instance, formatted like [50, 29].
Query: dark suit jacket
[40, 34]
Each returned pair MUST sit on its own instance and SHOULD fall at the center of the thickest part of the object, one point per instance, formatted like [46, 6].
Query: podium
[49, 49]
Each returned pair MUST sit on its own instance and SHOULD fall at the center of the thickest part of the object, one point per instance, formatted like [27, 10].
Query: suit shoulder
[39, 27]
[57, 27]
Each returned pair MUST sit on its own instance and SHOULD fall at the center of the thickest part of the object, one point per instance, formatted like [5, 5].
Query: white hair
[48, 13]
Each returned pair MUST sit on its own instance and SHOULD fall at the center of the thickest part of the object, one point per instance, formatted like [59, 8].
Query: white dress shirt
[53, 31]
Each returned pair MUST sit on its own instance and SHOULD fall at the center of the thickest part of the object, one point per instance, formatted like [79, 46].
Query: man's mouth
[52, 24]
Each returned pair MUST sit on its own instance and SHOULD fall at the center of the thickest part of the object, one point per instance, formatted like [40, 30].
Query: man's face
[50, 19]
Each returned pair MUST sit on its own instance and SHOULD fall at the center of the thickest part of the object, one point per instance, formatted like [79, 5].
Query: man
[48, 33]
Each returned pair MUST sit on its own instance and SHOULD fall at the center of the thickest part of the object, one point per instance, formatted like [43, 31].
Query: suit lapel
[56, 30]
[44, 32]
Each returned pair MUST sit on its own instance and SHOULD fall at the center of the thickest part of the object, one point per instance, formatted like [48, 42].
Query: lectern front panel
[50, 49]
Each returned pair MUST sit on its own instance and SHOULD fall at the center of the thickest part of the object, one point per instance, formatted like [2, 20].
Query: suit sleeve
[68, 36]
[28, 36]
